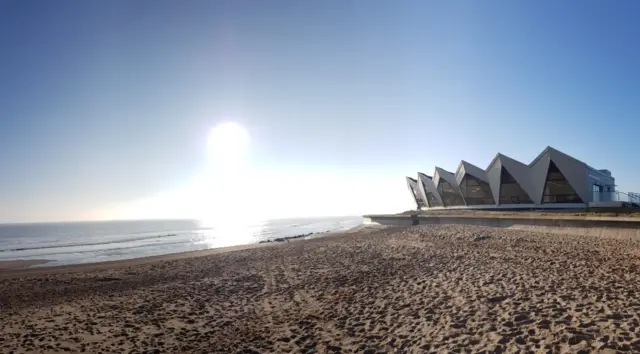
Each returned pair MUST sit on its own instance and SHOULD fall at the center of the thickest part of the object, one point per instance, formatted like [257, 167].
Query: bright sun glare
[219, 192]
[228, 144]
[224, 194]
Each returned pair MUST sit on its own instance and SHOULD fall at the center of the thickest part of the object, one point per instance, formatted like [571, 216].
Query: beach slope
[437, 288]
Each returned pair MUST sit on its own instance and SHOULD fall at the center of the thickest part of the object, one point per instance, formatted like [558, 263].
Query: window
[597, 190]
[510, 191]
[449, 196]
[557, 189]
[475, 191]
[433, 201]
[421, 203]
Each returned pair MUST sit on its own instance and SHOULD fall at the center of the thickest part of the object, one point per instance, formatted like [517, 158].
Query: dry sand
[432, 288]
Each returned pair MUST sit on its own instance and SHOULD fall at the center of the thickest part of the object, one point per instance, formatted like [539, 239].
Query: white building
[551, 180]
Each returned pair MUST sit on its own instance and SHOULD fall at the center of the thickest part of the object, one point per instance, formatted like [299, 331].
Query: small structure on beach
[553, 180]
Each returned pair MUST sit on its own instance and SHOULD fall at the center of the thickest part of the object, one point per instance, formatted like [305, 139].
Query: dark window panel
[510, 191]
[557, 189]
[421, 203]
[449, 195]
[476, 191]
[433, 201]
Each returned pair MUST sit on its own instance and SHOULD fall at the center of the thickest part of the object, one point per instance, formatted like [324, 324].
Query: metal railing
[617, 196]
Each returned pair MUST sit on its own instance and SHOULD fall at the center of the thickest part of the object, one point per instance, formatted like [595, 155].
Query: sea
[89, 242]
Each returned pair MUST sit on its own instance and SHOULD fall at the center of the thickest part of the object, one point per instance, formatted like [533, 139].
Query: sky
[107, 107]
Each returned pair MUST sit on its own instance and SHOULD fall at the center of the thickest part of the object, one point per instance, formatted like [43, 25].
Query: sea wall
[588, 226]
[391, 220]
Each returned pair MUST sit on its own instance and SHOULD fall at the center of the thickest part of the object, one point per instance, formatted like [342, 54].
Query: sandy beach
[432, 288]
[20, 264]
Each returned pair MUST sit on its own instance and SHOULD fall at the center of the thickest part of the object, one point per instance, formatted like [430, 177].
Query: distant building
[551, 180]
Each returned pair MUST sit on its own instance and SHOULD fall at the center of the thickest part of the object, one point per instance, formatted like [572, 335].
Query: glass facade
[431, 199]
[539, 183]
[597, 190]
[510, 190]
[557, 189]
[449, 195]
[475, 191]
[421, 203]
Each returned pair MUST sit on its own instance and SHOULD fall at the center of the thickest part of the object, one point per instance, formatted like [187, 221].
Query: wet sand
[20, 264]
[431, 288]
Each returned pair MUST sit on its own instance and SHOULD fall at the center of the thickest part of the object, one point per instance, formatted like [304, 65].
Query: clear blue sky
[104, 103]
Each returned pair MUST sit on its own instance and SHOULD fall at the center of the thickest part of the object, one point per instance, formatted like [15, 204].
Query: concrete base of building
[617, 227]
[612, 204]
[513, 207]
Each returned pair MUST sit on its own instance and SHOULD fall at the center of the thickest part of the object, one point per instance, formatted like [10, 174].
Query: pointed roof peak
[493, 161]
[473, 170]
[465, 163]
[442, 170]
[552, 150]
[507, 158]
[502, 157]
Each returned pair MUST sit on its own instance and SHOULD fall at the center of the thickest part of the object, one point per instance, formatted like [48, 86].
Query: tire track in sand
[267, 293]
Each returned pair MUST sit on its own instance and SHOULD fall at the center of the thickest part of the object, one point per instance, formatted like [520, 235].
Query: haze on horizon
[164, 109]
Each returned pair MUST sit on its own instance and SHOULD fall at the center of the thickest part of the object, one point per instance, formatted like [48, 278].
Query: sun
[219, 195]
[228, 144]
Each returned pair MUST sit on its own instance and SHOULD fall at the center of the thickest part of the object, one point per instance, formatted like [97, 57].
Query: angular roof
[427, 182]
[412, 184]
[443, 174]
[519, 171]
[549, 149]
[573, 170]
[531, 178]
[421, 189]
[466, 168]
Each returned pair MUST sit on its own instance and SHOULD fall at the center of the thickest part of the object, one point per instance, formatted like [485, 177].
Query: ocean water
[88, 242]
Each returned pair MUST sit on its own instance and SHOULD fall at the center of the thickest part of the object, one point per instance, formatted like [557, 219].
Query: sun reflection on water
[224, 234]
